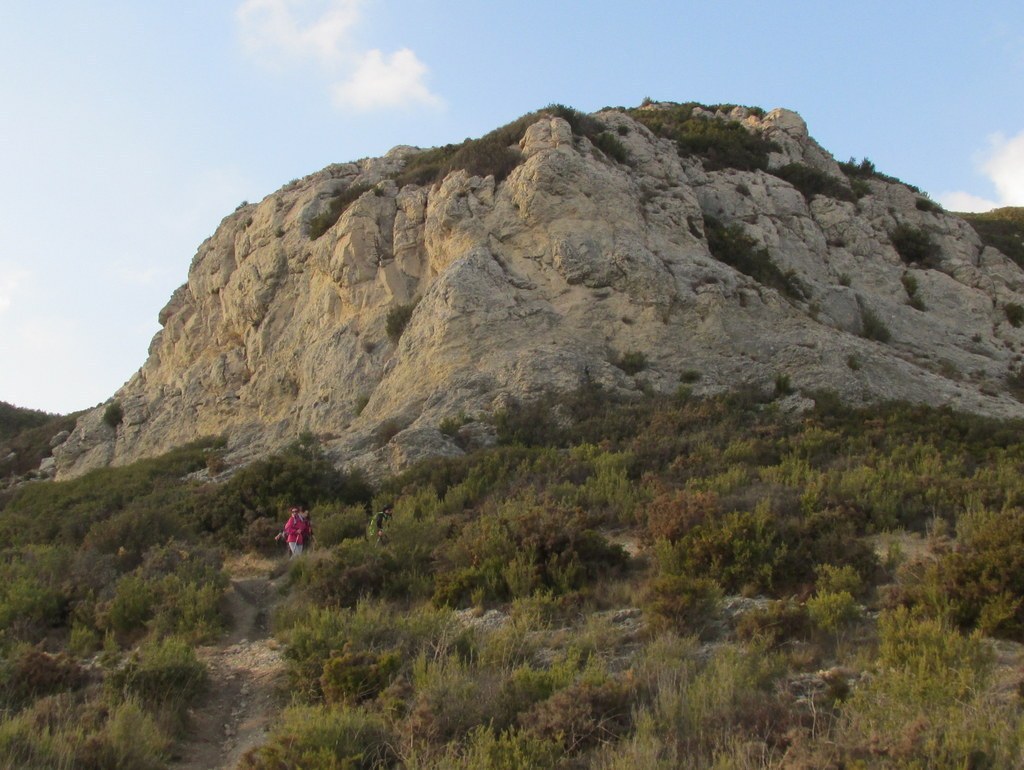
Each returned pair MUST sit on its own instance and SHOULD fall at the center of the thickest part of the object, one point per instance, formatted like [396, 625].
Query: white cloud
[292, 31]
[1003, 164]
[381, 81]
[274, 27]
[10, 280]
[1005, 167]
[961, 201]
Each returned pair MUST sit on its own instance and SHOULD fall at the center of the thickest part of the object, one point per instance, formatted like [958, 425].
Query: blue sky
[128, 129]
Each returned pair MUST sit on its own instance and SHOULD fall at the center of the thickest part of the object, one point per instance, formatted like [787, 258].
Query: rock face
[554, 276]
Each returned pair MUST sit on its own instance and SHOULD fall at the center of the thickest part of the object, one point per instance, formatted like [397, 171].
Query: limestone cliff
[581, 264]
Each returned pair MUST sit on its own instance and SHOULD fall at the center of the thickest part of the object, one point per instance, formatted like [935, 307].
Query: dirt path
[246, 673]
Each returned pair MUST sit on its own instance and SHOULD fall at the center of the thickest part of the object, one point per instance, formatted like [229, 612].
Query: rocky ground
[246, 676]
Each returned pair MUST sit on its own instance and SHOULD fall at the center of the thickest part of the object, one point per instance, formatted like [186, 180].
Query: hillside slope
[375, 303]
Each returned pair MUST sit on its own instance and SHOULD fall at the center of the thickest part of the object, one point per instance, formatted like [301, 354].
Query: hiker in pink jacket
[298, 531]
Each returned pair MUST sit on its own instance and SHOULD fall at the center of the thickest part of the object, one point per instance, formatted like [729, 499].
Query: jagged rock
[60, 438]
[542, 281]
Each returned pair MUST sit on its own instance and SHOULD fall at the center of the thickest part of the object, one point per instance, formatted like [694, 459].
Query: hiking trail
[246, 674]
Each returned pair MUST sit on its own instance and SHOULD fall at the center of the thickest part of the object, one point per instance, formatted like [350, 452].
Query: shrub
[397, 319]
[563, 552]
[671, 514]
[774, 625]
[508, 750]
[335, 525]
[582, 715]
[743, 550]
[915, 246]
[494, 154]
[719, 143]
[632, 362]
[832, 611]
[1002, 229]
[810, 182]
[320, 737]
[982, 581]
[336, 206]
[353, 677]
[735, 248]
[910, 286]
[163, 673]
[864, 170]
[1014, 314]
[611, 146]
[929, 704]
[873, 327]
[31, 673]
[113, 415]
[783, 385]
[683, 603]
[449, 700]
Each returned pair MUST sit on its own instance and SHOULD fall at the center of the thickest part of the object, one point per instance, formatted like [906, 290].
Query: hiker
[298, 530]
[379, 520]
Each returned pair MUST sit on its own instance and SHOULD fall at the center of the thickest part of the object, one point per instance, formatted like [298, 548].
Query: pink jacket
[298, 530]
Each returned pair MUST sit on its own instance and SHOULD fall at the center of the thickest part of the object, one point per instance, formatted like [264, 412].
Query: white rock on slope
[543, 280]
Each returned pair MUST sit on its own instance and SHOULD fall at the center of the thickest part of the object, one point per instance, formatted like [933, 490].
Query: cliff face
[578, 266]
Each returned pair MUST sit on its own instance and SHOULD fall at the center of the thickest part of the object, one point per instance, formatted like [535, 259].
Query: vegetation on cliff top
[1001, 229]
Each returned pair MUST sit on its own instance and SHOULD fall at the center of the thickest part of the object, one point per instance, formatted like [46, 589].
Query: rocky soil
[246, 678]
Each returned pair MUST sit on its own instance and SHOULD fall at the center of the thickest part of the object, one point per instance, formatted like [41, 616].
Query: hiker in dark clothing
[379, 521]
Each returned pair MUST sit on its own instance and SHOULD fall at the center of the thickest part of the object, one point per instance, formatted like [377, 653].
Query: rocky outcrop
[546, 279]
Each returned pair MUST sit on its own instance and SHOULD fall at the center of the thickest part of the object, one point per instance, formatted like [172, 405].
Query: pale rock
[539, 283]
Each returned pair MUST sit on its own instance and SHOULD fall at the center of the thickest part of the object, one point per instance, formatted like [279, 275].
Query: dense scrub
[25, 436]
[718, 143]
[655, 582]
[1002, 229]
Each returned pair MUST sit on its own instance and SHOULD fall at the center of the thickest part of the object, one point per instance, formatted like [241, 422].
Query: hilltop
[391, 307]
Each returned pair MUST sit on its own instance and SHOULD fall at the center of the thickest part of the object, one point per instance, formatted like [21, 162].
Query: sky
[129, 129]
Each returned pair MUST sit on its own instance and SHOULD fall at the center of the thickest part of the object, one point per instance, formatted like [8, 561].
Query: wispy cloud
[10, 280]
[380, 81]
[1003, 164]
[287, 32]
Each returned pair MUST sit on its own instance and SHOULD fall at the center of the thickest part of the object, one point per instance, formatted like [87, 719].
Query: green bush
[553, 544]
[1001, 229]
[872, 327]
[30, 673]
[333, 525]
[632, 362]
[981, 582]
[339, 201]
[810, 182]
[353, 677]
[865, 170]
[915, 246]
[741, 550]
[683, 603]
[778, 623]
[113, 415]
[928, 703]
[316, 737]
[731, 245]
[612, 146]
[718, 143]
[1014, 314]
[163, 674]
[397, 319]
[582, 715]
[25, 436]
